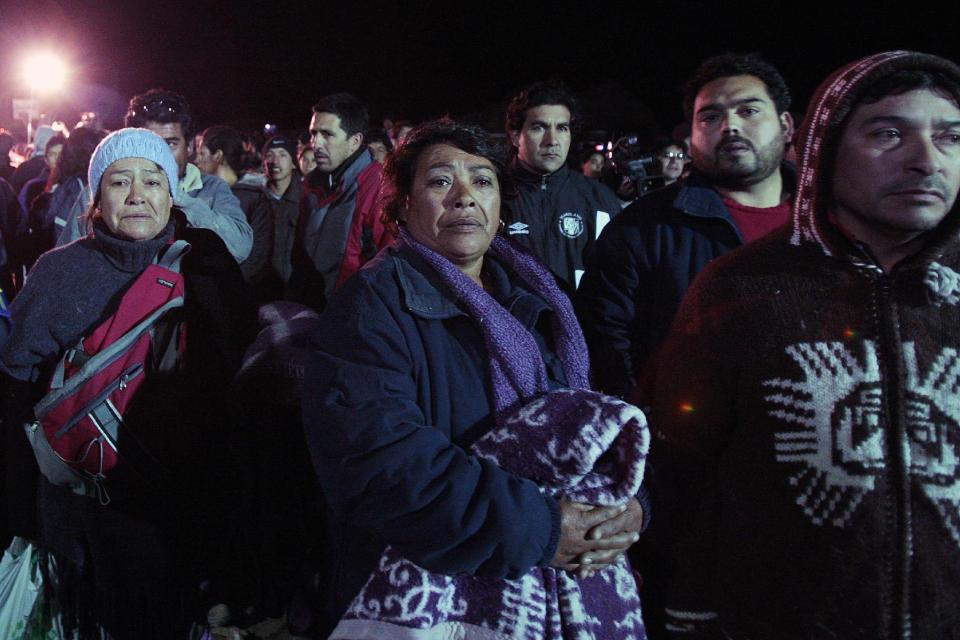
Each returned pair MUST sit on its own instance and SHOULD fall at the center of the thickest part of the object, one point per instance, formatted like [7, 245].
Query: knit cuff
[551, 549]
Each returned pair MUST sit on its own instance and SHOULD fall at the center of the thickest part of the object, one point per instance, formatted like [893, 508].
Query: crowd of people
[396, 383]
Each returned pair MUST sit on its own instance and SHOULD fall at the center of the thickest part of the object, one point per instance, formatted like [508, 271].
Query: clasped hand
[592, 538]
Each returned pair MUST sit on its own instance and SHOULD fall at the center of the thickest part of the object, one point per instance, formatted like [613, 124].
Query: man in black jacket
[558, 212]
[739, 190]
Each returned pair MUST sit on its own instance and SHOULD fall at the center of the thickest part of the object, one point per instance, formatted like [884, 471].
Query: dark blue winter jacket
[642, 266]
[396, 389]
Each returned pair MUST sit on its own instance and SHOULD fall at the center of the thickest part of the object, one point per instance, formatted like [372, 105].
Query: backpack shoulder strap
[170, 259]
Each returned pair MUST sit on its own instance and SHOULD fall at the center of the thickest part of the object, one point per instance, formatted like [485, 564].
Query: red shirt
[755, 222]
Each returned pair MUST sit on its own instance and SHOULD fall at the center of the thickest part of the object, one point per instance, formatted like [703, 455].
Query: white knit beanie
[132, 143]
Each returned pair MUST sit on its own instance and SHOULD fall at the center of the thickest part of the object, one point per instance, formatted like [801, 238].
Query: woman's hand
[622, 530]
[593, 537]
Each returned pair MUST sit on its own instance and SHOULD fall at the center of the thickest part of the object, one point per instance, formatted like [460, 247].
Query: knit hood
[817, 138]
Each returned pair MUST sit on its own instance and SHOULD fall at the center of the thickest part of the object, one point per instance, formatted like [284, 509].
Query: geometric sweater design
[833, 428]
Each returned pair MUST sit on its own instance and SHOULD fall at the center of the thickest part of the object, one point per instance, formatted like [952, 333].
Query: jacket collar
[346, 173]
[192, 179]
[425, 295]
[294, 191]
[524, 176]
[697, 196]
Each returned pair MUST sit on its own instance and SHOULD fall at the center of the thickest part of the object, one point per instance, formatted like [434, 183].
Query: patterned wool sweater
[809, 410]
[807, 419]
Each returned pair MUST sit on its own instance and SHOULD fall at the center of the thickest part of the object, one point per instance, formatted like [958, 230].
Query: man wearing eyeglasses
[738, 190]
[672, 161]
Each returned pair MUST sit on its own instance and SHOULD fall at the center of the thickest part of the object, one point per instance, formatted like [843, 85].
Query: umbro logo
[518, 228]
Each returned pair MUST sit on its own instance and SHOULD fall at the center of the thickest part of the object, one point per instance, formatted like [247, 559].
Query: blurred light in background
[44, 71]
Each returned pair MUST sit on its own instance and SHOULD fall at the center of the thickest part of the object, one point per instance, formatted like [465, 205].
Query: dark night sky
[249, 63]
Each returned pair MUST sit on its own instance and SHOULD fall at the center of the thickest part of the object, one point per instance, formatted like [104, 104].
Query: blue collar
[425, 295]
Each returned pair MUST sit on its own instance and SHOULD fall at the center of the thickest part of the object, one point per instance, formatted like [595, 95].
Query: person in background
[36, 162]
[35, 186]
[379, 144]
[593, 163]
[282, 203]
[339, 227]
[65, 195]
[739, 189]
[6, 145]
[221, 153]
[672, 159]
[306, 161]
[206, 200]
[558, 212]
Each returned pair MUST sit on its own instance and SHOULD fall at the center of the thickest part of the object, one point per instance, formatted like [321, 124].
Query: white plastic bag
[20, 584]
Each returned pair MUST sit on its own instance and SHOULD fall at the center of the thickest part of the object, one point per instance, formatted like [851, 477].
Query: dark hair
[736, 64]
[662, 142]
[537, 94]
[378, 135]
[353, 114]
[905, 80]
[6, 143]
[53, 141]
[160, 105]
[401, 165]
[230, 142]
[588, 153]
[75, 156]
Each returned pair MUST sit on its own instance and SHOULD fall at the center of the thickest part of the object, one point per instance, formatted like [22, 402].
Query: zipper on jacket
[899, 462]
[543, 183]
[119, 384]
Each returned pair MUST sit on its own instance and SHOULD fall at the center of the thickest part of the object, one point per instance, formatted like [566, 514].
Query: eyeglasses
[670, 155]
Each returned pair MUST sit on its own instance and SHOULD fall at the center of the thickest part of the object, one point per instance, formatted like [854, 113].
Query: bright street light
[44, 72]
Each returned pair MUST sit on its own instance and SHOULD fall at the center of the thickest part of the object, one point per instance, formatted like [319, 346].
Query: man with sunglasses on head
[206, 200]
[739, 189]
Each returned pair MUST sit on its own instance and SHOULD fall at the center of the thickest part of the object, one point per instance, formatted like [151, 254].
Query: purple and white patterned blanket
[576, 444]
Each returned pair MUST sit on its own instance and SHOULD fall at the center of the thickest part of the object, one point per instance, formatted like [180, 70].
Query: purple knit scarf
[517, 372]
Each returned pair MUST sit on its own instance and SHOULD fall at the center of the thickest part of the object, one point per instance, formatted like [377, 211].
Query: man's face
[738, 138]
[897, 170]
[172, 133]
[331, 144]
[544, 140]
[278, 164]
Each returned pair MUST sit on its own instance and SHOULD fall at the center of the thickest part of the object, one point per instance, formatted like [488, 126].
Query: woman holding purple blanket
[476, 486]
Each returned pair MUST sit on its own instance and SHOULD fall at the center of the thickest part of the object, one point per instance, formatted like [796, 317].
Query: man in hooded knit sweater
[807, 404]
